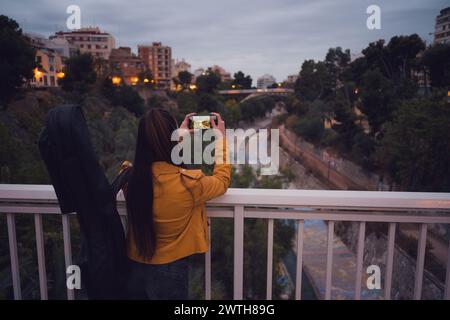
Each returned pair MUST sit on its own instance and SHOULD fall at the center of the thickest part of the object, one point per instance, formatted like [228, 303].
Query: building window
[52, 81]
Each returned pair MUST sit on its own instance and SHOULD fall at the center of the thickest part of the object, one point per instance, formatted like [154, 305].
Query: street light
[116, 80]
[134, 80]
[37, 73]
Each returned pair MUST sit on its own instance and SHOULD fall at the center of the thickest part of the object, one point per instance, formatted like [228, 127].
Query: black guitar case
[82, 187]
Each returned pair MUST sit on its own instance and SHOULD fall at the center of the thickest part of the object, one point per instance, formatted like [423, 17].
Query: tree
[314, 81]
[185, 78]
[415, 149]
[403, 51]
[336, 61]
[124, 96]
[208, 82]
[232, 113]
[311, 128]
[345, 123]
[79, 73]
[377, 99]
[17, 58]
[437, 60]
[241, 81]
[397, 59]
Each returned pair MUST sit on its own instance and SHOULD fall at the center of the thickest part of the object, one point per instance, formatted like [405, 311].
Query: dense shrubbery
[79, 73]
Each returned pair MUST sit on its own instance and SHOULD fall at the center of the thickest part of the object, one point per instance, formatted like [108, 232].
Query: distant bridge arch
[253, 93]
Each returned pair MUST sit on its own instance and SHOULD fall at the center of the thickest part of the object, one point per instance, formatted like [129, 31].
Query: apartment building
[49, 60]
[225, 76]
[442, 27]
[60, 45]
[265, 81]
[178, 66]
[89, 40]
[49, 69]
[158, 59]
[126, 65]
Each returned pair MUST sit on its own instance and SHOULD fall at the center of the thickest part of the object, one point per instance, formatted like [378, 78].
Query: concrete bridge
[253, 93]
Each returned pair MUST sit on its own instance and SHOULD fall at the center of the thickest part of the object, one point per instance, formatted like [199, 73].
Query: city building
[89, 40]
[63, 47]
[158, 59]
[442, 27]
[178, 66]
[49, 61]
[126, 65]
[265, 81]
[224, 75]
[291, 78]
[49, 69]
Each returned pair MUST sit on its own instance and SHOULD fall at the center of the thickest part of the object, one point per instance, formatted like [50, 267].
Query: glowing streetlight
[193, 87]
[134, 80]
[37, 73]
[116, 80]
[146, 80]
[60, 75]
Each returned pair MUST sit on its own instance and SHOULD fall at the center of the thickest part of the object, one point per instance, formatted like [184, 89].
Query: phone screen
[200, 122]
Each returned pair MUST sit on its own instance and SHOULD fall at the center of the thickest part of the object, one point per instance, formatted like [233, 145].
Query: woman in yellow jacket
[166, 208]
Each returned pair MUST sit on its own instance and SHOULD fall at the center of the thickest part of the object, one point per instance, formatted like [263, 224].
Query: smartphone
[200, 122]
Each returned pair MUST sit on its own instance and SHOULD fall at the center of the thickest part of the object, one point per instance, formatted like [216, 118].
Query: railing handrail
[270, 204]
[274, 198]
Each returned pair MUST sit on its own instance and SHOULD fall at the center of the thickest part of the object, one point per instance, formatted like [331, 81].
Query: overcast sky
[255, 36]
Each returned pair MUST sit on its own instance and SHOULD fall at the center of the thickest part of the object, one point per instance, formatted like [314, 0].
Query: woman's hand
[220, 123]
[185, 123]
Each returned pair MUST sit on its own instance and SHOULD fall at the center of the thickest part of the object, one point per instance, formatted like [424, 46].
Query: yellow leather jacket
[179, 211]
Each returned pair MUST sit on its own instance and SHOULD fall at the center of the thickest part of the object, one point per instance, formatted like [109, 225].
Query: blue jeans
[158, 281]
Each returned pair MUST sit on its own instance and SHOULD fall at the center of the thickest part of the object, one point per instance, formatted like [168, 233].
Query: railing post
[238, 252]
[67, 250]
[329, 270]
[41, 256]
[421, 247]
[208, 266]
[12, 239]
[299, 262]
[359, 259]
[269, 259]
[390, 261]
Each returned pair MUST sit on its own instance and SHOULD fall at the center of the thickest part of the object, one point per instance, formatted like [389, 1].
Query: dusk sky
[255, 36]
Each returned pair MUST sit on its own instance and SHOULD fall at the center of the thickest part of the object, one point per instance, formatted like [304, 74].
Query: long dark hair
[153, 144]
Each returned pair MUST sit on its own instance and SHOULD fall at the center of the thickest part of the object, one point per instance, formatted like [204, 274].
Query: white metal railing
[238, 204]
